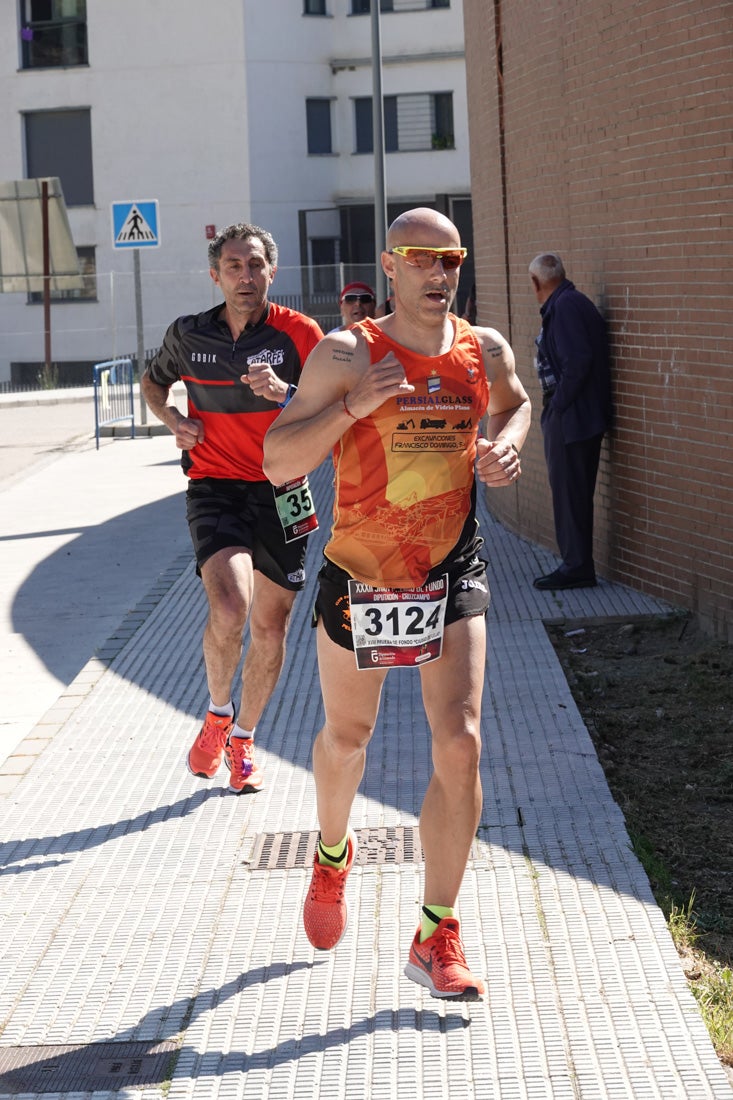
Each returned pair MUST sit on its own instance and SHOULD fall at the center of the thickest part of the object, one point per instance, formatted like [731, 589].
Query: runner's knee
[457, 752]
[346, 738]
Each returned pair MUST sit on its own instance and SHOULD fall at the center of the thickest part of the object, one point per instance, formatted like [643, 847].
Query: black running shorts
[224, 513]
[468, 594]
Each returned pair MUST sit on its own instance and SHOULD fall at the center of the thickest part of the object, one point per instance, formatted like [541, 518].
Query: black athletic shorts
[224, 513]
[468, 593]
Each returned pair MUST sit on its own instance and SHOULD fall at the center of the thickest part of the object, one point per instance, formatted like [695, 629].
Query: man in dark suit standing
[572, 363]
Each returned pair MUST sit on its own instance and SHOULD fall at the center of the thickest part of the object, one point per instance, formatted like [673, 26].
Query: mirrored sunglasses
[425, 258]
[364, 299]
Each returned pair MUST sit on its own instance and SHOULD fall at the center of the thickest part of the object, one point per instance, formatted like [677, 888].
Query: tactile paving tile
[132, 911]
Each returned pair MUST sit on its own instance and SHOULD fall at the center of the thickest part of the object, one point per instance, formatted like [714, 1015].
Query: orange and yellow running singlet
[405, 474]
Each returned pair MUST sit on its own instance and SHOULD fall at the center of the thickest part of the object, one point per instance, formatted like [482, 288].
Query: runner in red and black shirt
[240, 363]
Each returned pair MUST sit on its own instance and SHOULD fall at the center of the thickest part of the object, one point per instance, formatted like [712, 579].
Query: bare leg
[452, 689]
[228, 579]
[351, 701]
[268, 626]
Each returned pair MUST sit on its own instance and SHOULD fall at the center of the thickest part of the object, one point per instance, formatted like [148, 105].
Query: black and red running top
[199, 350]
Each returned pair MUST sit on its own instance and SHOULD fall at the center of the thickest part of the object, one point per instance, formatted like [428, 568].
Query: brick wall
[616, 153]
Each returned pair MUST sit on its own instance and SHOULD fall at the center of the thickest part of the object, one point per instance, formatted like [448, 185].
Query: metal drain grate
[96, 1067]
[389, 844]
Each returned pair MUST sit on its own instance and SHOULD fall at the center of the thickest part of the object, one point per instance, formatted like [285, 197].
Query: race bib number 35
[295, 508]
[397, 627]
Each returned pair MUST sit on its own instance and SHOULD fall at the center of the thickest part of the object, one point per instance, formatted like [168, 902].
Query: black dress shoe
[554, 581]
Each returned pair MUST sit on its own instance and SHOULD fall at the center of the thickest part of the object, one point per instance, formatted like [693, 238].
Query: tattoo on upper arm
[342, 355]
[495, 351]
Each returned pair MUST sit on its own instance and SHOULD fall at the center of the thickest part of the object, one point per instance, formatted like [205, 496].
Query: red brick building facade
[602, 130]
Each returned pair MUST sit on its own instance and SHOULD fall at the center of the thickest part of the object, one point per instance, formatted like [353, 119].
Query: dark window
[363, 125]
[391, 135]
[53, 33]
[357, 247]
[318, 120]
[443, 133]
[314, 7]
[364, 7]
[85, 293]
[323, 256]
[411, 122]
[59, 143]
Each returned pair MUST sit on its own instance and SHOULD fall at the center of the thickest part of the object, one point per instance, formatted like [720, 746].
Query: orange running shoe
[325, 913]
[204, 756]
[244, 775]
[440, 965]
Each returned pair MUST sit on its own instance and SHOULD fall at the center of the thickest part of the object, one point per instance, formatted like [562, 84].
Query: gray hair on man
[547, 267]
[242, 231]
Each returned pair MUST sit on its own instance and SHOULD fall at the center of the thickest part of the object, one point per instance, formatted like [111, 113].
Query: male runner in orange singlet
[398, 400]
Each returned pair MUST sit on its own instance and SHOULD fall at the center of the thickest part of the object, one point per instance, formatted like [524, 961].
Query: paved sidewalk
[151, 942]
[83, 534]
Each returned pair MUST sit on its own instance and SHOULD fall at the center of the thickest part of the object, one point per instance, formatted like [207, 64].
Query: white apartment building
[236, 110]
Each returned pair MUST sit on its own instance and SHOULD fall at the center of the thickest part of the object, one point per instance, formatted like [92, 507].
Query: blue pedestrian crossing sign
[135, 224]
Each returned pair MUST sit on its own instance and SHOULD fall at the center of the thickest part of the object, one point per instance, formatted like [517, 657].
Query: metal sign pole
[46, 283]
[135, 226]
[140, 331]
[380, 184]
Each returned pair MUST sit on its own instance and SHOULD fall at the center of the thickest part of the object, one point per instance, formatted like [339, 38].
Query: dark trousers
[572, 469]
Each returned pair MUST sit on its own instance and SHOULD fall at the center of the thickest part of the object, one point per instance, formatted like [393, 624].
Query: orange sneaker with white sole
[244, 775]
[207, 751]
[440, 964]
[325, 912]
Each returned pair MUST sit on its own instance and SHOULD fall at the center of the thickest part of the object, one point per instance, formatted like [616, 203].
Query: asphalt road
[39, 427]
[31, 435]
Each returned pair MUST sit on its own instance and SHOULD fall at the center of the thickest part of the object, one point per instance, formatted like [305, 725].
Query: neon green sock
[432, 915]
[335, 856]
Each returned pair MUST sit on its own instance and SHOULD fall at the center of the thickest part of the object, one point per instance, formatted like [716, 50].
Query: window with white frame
[413, 122]
[53, 33]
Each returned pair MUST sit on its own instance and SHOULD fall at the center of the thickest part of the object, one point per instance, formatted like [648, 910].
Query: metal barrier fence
[113, 395]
